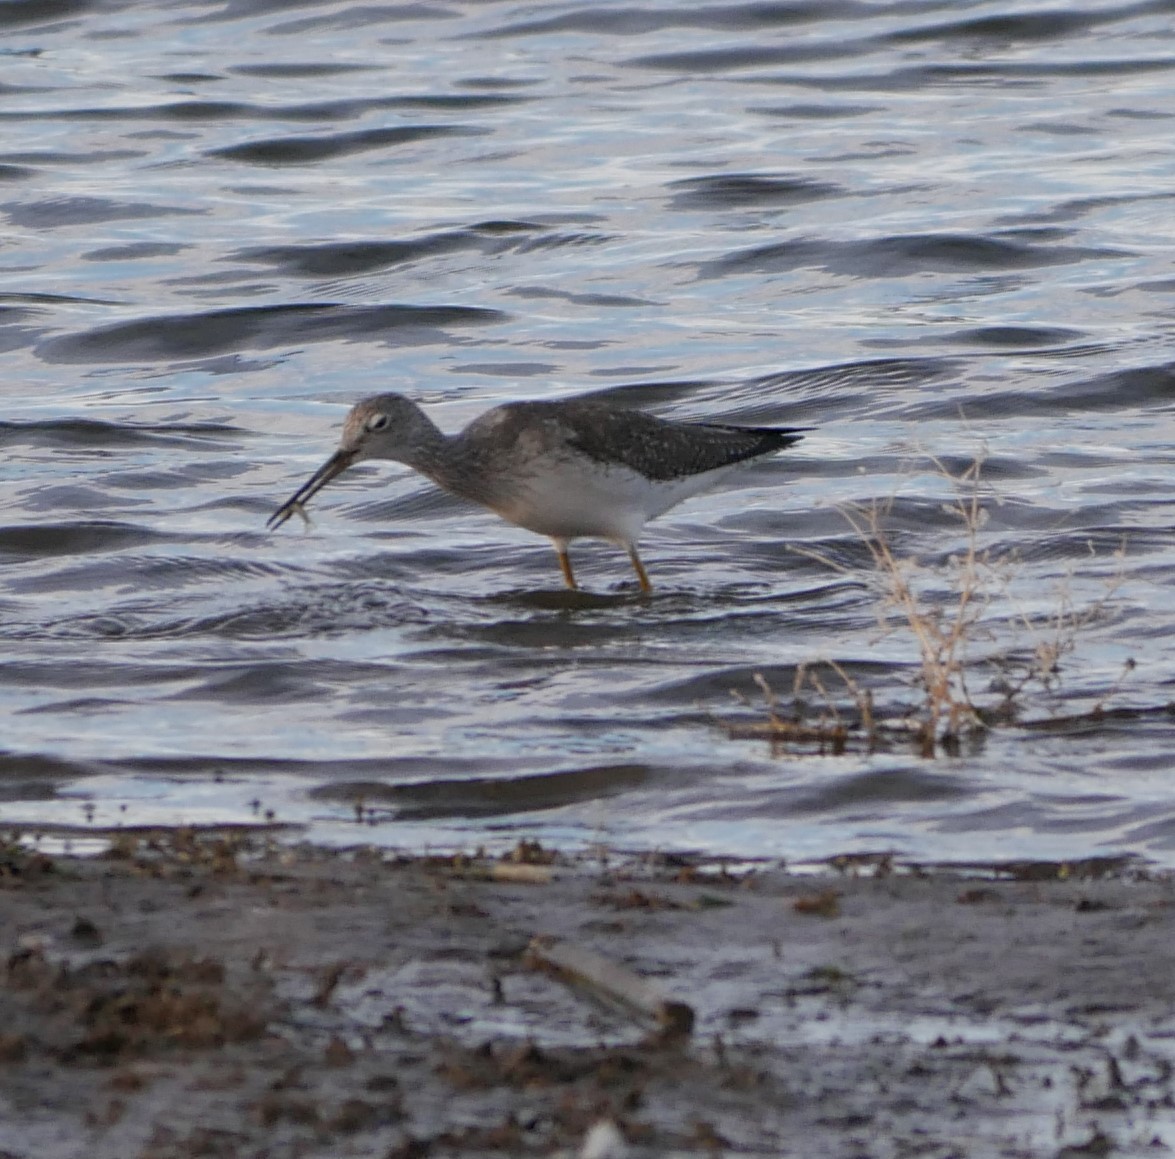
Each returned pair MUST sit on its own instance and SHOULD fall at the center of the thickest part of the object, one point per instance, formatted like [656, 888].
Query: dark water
[932, 230]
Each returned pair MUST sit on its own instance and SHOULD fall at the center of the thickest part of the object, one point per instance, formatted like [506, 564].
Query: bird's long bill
[333, 467]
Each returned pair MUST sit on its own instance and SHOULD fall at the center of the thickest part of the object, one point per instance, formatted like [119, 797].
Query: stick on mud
[581, 966]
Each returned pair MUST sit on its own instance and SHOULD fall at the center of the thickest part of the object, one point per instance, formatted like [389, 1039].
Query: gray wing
[660, 449]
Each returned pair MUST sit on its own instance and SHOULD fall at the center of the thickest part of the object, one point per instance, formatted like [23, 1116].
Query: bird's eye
[377, 422]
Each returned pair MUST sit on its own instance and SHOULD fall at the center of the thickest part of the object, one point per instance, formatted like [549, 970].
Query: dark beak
[333, 467]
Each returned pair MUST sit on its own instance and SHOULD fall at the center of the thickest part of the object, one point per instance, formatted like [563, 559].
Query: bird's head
[386, 426]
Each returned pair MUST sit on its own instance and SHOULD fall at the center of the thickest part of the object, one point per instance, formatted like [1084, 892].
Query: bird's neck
[456, 463]
[424, 447]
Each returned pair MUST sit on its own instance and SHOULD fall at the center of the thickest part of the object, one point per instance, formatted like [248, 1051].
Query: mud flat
[217, 995]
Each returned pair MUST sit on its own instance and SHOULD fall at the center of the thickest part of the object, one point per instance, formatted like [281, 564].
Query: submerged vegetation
[977, 657]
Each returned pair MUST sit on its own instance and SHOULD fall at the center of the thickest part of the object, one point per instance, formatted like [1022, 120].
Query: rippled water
[930, 230]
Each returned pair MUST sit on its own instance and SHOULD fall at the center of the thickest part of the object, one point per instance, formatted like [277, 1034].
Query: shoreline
[197, 993]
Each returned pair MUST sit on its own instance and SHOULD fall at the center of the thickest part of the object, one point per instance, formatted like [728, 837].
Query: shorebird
[565, 469]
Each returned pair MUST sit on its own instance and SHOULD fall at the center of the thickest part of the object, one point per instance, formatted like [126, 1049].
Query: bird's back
[658, 449]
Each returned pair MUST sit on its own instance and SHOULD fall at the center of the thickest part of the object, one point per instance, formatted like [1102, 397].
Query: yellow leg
[639, 568]
[565, 566]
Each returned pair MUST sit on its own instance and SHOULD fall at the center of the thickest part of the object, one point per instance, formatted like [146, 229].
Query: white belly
[569, 500]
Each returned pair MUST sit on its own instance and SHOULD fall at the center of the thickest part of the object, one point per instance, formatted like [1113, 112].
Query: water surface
[932, 231]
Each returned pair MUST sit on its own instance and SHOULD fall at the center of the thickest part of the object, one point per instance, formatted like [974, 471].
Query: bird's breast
[572, 498]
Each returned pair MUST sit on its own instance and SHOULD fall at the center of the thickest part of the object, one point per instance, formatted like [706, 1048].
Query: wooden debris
[821, 905]
[580, 966]
[522, 873]
[464, 869]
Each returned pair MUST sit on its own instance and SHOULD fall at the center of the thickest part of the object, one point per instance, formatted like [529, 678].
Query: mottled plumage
[566, 469]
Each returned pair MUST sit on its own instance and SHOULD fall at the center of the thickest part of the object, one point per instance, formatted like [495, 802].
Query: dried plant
[943, 630]
[943, 609]
[1053, 638]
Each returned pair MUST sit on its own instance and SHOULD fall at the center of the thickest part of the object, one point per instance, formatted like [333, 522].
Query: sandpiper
[565, 469]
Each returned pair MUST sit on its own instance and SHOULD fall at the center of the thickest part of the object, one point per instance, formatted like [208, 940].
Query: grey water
[935, 231]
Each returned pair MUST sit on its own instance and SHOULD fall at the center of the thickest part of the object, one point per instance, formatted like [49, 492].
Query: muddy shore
[212, 995]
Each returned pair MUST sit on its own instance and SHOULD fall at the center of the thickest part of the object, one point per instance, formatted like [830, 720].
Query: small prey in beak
[332, 468]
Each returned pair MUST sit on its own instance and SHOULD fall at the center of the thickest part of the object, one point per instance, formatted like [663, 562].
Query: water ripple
[259, 328]
[310, 150]
[937, 234]
[902, 256]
